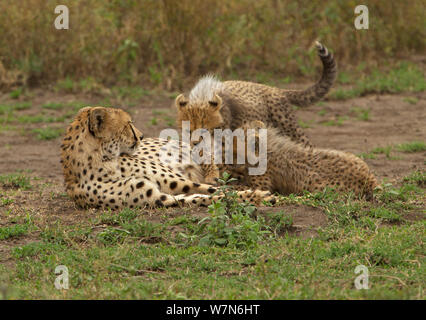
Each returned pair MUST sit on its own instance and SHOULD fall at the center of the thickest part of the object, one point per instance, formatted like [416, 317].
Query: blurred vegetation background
[165, 43]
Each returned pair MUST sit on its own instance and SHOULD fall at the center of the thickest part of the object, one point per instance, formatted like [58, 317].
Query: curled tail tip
[318, 45]
[322, 50]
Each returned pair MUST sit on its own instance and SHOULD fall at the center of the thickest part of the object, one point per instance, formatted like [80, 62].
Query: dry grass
[163, 42]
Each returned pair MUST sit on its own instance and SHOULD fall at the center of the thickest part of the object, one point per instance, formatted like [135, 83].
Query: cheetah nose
[141, 137]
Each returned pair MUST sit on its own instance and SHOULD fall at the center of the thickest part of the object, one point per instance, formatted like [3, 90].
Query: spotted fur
[293, 168]
[214, 104]
[107, 164]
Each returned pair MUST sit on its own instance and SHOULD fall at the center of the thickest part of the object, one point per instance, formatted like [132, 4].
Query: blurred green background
[166, 43]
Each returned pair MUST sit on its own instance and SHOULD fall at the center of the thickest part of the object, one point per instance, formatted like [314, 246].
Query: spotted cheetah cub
[106, 164]
[213, 104]
[293, 168]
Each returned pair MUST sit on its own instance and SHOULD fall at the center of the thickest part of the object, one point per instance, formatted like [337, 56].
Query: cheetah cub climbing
[293, 168]
[107, 164]
[213, 104]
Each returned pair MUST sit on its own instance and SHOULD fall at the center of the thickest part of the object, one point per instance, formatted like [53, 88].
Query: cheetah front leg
[254, 197]
[187, 187]
[246, 193]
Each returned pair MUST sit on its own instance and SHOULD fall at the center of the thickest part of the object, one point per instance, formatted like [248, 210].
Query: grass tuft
[405, 77]
[154, 52]
[48, 133]
[15, 181]
[410, 147]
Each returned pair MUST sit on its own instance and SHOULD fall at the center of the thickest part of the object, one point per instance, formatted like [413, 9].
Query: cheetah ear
[97, 121]
[180, 101]
[216, 102]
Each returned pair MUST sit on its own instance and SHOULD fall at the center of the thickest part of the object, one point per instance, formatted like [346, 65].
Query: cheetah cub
[213, 104]
[293, 168]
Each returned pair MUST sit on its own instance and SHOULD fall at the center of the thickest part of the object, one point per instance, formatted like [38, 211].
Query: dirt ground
[392, 120]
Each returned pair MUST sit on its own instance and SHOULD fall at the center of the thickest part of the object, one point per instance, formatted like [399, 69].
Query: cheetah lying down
[293, 168]
[107, 164]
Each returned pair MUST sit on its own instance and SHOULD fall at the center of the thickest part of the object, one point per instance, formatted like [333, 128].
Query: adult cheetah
[293, 168]
[106, 164]
[214, 104]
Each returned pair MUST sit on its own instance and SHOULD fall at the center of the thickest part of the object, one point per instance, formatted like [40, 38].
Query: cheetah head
[114, 130]
[201, 115]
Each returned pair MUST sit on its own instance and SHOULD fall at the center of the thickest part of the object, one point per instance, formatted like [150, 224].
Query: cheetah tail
[303, 98]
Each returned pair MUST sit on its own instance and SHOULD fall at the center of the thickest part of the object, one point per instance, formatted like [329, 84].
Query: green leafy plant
[231, 223]
[362, 114]
[411, 100]
[15, 94]
[15, 181]
[410, 147]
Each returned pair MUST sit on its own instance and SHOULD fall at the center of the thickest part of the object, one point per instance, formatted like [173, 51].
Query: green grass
[13, 231]
[9, 114]
[304, 124]
[151, 55]
[5, 201]
[53, 106]
[417, 177]
[35, 248]
[405, 77]
[161, 116]
[410, 147]
[8, 109]
[362, 114]
[230, 224]
[66, 85]
[15, 94]
[132, 93]
[15, 181]
[411, 100]
[22, 106]
[344, 94]
[39, 118]
[335, 122]
[83, 85]
[232, 252]
[383, 150]
[344, 77]
[48, 133]
[322, 112]
[367, 155]
[5, 128]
